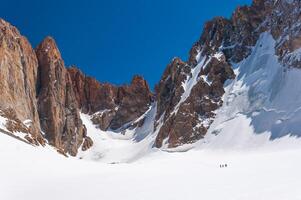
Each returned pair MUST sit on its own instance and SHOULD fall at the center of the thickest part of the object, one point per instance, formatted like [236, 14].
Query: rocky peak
[132, 102]
[91, 95]
[48, 49]
[18, 74]
[223, 41]
[186, 109]
[214, 33]
[138, 81]
[191, 92]
[169, 89]
[112, 107]
[57, 105]
[8, 30]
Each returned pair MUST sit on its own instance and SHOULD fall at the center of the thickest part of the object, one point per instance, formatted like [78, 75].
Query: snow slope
[30, 174]
[116, 147]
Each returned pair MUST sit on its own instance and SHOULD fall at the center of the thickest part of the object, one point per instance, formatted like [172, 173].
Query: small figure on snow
[223, 165]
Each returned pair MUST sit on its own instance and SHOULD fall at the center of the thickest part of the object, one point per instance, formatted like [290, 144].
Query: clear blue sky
[114, 39]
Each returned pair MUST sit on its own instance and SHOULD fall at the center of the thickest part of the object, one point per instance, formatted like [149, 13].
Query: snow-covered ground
[28, 173]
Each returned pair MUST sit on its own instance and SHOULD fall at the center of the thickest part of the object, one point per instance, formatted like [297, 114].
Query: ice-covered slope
[263, 102]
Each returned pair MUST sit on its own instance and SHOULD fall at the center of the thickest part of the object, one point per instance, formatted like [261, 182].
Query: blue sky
[113, 40]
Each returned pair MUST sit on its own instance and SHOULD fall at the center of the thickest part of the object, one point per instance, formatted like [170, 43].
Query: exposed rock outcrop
[57, 105]
[186, 120]
[111, 106]
[132, 101]
[18, 74]
[40, 94]
[88, 143]
[91, 95]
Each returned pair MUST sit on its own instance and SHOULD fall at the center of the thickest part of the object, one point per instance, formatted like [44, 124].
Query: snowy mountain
[238, 89]
[247, 65]
[236, 102]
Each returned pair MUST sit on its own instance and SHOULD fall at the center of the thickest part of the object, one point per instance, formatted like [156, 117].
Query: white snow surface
[35, 173]
[218, 56]
[3, 123]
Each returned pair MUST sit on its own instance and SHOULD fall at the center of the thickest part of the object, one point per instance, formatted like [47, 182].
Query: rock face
[132, 101]
[190, 92]
[286, 28]
[188, 98]
[18, 75]
[91, 95]
[39, 94]
[57, 105]
[112, 107]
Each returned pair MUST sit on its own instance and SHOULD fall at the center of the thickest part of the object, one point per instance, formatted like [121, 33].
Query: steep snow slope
[115, 147]
[263, 102]
[30, 174]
